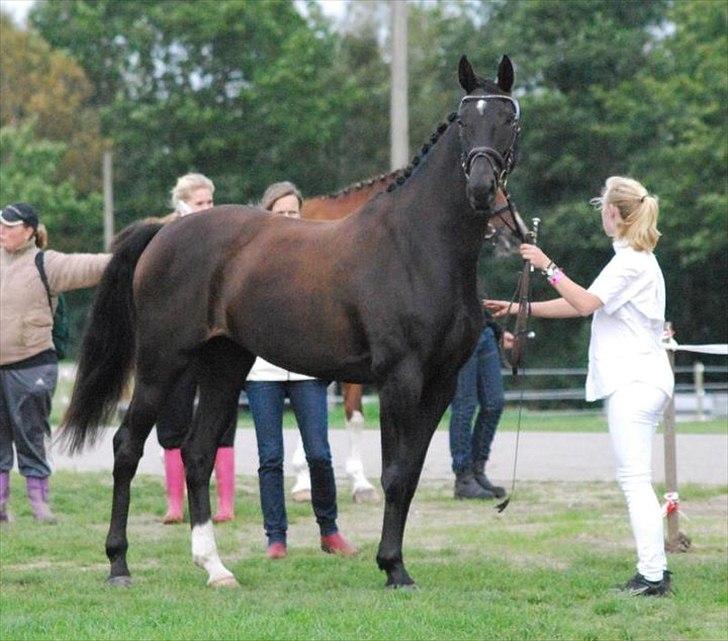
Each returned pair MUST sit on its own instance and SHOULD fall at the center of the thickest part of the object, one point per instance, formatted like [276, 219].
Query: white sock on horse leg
[300, 467]
[204, 554]
[354, 466]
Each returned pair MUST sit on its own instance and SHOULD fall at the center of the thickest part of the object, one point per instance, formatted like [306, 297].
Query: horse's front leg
[409, 416]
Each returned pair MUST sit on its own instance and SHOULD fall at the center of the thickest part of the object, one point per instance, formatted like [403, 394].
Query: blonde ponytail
[41, 236]
[638, 211]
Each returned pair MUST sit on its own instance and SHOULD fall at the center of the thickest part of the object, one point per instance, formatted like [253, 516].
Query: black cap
[19, 213]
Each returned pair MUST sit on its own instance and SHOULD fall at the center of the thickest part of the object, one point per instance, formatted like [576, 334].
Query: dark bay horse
[506, 232]
[399, 310]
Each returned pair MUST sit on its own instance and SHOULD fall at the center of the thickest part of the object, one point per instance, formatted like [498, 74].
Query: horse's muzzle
[481, 192]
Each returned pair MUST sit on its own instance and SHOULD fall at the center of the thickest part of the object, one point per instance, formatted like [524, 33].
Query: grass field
[541, 570]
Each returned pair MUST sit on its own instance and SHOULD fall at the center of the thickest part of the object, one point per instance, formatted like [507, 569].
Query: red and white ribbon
[672, 504]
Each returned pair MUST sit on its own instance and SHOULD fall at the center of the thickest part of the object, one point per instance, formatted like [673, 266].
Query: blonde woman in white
[628, 366]
[192, 193]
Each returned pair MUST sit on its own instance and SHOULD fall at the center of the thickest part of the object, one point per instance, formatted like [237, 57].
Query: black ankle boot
[466, 487]
[482, 480]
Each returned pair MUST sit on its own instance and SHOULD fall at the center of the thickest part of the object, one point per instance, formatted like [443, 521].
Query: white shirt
[626, 333]
[262, 370]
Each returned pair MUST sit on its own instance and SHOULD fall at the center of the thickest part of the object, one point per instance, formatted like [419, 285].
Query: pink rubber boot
[174, 475]
[5, 497]
[38, 497]
[225, 479]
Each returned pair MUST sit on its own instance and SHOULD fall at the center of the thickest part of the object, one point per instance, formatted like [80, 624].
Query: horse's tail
[107, 351]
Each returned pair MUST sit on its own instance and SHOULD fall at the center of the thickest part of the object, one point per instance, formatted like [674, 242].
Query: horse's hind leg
[222, 367]
[128, 448]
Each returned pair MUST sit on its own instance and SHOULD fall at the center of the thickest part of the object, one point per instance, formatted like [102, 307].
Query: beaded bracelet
[556, 277]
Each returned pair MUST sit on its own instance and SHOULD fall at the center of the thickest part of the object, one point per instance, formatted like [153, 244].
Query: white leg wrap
[354, 466]
[204, 554]
[302, 488]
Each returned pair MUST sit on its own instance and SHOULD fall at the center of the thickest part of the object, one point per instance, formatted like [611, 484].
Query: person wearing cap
[191, 194]
[28, 361]
[267, 387]
[628, 365]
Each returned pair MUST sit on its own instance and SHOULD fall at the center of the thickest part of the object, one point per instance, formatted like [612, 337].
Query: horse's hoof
[123, 581]
[224, 582]
[365, 495]
[405, 587]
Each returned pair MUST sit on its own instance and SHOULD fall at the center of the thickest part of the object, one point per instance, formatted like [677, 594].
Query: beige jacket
[26, 321]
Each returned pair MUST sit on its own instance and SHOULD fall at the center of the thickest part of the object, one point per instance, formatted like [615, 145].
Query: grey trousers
[25, 406]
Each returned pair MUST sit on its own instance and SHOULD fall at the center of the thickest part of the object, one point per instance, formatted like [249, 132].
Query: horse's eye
[460, 123]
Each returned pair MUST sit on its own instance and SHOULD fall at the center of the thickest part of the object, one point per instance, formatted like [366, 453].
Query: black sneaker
[482, 480]
[639, 586]
[466, 487]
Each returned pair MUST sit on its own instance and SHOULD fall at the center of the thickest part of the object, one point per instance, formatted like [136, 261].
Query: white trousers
[633, 412]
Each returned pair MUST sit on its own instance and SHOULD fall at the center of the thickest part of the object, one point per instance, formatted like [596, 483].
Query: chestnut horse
[386, 296]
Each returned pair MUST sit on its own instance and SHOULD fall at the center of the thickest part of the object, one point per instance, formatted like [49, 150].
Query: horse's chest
[459, 338]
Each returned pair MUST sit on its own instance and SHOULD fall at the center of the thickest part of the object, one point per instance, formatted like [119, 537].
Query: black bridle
[513, 225]
[500, 164]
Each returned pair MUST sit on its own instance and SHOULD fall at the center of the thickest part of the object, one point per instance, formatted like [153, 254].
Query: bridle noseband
[501, 164]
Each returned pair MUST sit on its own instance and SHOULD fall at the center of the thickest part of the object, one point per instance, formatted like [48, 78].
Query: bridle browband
[501, 164]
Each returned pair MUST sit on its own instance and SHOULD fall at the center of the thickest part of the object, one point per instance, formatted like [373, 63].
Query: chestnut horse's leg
[222, 369]
[408, 421]
[362, 490]
[128, 449]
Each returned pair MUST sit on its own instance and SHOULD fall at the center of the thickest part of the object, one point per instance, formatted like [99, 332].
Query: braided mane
[407, 171]
[398, 176]
[363, 184]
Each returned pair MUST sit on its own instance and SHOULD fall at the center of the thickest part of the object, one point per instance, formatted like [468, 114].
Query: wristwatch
[550, 270]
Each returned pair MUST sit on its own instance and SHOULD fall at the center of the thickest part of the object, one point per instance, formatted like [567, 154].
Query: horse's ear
[468, 81]
[505, 74]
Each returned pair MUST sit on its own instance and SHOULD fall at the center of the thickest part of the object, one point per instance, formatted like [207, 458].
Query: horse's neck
[433, 205]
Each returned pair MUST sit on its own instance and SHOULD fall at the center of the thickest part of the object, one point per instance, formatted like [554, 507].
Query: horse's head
[489, 121]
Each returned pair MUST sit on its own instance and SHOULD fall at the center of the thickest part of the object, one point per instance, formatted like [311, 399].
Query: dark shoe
[337, 544]
[482, 480]
[639, 586]
[466, 487]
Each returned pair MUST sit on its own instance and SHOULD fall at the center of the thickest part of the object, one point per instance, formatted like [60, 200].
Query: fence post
[698, 378]
[676, 542]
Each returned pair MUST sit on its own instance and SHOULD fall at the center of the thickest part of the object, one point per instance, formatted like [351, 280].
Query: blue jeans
[308, 399]
[479, 383]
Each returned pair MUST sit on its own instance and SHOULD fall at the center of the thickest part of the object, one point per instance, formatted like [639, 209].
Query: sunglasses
[289, 213]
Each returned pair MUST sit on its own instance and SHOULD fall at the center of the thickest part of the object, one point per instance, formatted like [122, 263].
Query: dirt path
[542, 456]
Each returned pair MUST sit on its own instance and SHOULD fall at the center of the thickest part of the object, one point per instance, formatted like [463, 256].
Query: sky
[19, 8]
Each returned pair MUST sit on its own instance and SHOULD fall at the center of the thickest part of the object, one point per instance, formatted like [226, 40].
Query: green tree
[47, 86]
[237, 90]
[669, 119]
[28, 173]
